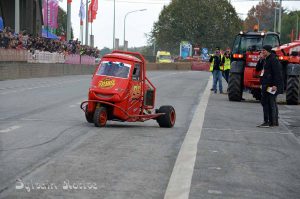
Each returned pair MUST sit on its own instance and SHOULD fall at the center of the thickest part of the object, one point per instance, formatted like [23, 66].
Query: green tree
[207, 23]
[104, 51]
[289, 24]
[263, 13]
[62, 23]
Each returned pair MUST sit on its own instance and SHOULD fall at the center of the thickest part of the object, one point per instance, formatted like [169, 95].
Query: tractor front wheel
[293, 90]
[235, 87]
[168, 119]
[100, 117]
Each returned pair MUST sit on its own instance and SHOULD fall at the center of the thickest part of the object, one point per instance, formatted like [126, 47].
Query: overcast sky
[138, 24]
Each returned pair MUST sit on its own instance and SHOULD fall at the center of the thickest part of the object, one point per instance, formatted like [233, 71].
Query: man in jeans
[215, 62]
[271, 85]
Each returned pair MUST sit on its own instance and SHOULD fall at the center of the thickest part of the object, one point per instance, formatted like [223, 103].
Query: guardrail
[14, 55]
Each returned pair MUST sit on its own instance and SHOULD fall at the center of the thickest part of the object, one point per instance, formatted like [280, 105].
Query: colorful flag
[90, 19]
[50, 12]
[93, 8]
[95, 5]
[82, 11]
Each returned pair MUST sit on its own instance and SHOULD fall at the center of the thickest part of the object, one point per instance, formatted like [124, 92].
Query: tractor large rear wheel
[293, 90]
[235, 87]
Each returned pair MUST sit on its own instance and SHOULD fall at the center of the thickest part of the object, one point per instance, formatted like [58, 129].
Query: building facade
[30, 15]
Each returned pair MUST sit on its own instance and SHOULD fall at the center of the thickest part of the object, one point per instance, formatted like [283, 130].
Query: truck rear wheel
[292, 90]
[100, 117]
[235, 87]
[168, 119]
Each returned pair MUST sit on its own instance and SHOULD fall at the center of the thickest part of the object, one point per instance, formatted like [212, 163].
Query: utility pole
[68, 20]
[17, 16]
[275, 19]
[114, 25]
[279, 18]
[86, 23]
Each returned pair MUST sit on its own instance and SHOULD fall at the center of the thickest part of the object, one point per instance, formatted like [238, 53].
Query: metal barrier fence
[43, 57]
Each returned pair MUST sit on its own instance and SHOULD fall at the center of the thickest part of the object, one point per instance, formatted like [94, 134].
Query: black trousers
[225, 74]
[270, 108]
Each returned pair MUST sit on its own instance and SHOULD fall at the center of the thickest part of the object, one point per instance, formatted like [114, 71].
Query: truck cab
[163, 57]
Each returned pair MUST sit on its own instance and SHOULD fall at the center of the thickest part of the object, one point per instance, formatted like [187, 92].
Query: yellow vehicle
[163, 57]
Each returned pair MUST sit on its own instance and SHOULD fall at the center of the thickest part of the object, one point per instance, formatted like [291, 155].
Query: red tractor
[289, 55]
[245, 54]
[121, 91]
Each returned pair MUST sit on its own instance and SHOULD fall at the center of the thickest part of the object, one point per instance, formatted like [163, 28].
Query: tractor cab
[245, 55]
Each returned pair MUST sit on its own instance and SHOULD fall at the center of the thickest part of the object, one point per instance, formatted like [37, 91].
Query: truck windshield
[247, 43]
[168, 57]
[114, 69]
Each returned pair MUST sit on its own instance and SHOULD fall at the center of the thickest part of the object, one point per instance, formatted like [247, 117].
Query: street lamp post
[125, 21]
[114, 25]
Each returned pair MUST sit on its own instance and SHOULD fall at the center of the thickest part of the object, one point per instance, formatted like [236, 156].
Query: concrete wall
[23, 70]
[20, 70]
[169, 66]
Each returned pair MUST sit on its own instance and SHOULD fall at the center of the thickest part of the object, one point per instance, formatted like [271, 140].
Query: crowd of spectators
[23, 40]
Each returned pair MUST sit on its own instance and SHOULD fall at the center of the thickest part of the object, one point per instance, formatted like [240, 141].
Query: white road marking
[247, 131]
[181, 177]
[214, 168]
[9, 129]
[30, 119]
[214, 192]
[215, 151]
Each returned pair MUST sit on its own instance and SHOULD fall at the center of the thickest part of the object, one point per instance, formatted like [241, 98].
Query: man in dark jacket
[216, 62]
[271, 85]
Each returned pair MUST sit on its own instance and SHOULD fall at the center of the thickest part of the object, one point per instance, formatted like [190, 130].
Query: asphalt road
[48, 150]
[235, 159]
[45, 140]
